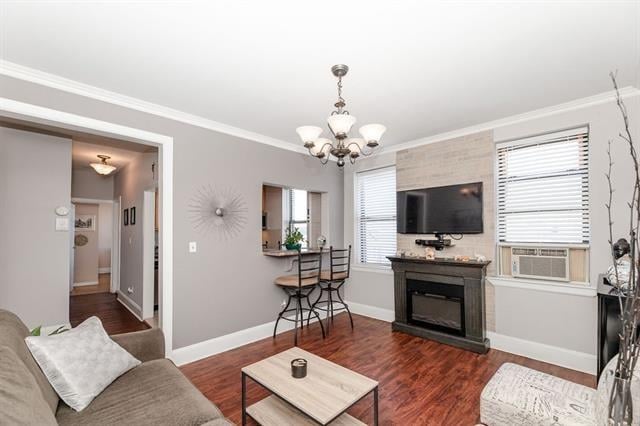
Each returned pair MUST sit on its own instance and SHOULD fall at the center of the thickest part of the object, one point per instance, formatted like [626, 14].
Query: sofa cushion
[82, 362]
[155, 392]
[517, 395]
[12, 334]
[21, 401]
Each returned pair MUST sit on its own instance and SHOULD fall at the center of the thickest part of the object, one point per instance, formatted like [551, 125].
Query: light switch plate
[62, 223]
[193, 247]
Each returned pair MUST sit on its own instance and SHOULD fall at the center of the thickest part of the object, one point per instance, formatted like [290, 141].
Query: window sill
[378, 269]
[545, 286]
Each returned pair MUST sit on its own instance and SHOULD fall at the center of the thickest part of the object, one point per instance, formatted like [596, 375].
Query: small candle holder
[299, 368]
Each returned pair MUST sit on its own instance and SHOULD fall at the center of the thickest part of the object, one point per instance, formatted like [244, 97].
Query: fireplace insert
[436, 306]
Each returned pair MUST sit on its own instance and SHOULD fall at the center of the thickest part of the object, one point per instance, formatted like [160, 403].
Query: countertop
[288, 253]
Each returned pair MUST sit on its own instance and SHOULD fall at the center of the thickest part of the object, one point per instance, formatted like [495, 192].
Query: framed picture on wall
[85, 222]
[133, 215]
[125, 217]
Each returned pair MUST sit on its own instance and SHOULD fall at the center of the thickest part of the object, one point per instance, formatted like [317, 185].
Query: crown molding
[20, 72]
[625, 92]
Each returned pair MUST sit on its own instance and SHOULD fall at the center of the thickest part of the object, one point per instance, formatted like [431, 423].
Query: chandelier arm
[325, 145]
[362, 151]
[324, 161]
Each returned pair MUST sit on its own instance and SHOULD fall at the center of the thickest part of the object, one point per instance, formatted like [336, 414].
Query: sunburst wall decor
[218, 210]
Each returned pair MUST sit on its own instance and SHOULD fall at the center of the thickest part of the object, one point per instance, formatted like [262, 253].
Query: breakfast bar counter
[288, 253]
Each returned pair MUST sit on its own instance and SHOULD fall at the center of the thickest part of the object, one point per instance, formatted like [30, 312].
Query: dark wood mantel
[444, 271]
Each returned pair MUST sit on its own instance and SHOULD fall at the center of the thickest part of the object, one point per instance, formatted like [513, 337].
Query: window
[375, 202]
[543, 189]
[298, 213]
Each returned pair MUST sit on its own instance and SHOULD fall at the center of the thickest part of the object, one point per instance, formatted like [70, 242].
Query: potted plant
[293, 240]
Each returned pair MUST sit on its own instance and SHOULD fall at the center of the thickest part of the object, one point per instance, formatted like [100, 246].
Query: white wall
[35, 178]
[85, 262]
[105, 236]
[556, 327]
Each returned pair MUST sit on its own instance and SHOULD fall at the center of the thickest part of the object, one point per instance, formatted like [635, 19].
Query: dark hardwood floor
[421, 382]
[115, 318]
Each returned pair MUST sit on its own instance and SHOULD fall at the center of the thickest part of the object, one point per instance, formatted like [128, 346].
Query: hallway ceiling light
[103, 168]
[340, 123]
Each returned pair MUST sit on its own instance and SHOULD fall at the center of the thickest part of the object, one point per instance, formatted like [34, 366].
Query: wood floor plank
[115, 318]
[422, 382]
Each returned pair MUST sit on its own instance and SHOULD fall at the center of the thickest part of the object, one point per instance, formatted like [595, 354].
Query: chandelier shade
[372, 132]
[355, 144]
[340, 123]
[309, 133]
[102, 167]
[321, 147]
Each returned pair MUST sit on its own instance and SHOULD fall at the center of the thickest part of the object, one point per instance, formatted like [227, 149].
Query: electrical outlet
[193, 247]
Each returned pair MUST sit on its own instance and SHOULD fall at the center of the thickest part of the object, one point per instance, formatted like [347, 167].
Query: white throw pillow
[81, 362]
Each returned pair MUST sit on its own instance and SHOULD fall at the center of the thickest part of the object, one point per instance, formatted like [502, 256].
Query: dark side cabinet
[608, 323]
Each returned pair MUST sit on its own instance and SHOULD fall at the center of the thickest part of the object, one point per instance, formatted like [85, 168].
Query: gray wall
[228, 284]
[569, 321]
[85, 262]
[563, 320]
[35, 178]
[86, 183]
[130, 183]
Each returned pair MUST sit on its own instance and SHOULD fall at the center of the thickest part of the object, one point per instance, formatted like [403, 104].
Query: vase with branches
[620, 407]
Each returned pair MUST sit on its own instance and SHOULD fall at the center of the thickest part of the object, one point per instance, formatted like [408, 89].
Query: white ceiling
[421, 68]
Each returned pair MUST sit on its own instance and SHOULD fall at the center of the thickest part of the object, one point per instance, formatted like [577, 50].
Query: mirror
[290, 208]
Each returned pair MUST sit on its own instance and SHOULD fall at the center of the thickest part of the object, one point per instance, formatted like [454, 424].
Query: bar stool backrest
[309, 267]
[340, 262]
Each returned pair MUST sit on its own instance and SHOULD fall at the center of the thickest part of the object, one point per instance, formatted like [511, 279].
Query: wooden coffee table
[322, 397]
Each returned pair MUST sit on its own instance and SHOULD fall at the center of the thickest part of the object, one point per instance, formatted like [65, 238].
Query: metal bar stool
[298, 287]
[331, 282]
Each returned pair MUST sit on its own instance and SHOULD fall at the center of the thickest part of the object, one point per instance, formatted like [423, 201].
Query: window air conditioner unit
[540, 263]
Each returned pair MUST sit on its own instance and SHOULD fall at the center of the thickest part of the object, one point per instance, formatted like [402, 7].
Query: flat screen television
[455, 209]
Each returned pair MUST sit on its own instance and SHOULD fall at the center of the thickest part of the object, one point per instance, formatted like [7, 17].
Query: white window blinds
[375, 201]
[543, 188]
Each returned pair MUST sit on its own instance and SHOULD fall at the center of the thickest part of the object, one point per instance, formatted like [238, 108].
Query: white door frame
[148, 252]
[115, 245]
[13, 109]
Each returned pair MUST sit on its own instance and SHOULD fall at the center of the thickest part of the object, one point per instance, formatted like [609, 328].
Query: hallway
[115, 318]
[103, 286]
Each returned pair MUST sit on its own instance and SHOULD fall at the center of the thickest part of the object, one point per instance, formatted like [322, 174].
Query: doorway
[35, 115]
[92, 245]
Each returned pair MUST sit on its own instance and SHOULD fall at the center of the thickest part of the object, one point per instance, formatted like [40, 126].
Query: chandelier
[340, 123]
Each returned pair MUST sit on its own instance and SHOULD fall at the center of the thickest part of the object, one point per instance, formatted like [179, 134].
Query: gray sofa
[155, 392]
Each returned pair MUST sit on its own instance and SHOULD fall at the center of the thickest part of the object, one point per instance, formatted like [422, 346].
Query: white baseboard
[372, 311]
[563, 357]
[227, 342]
[539, 351]
[129, 304]
[83, 283]
[105, 270]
